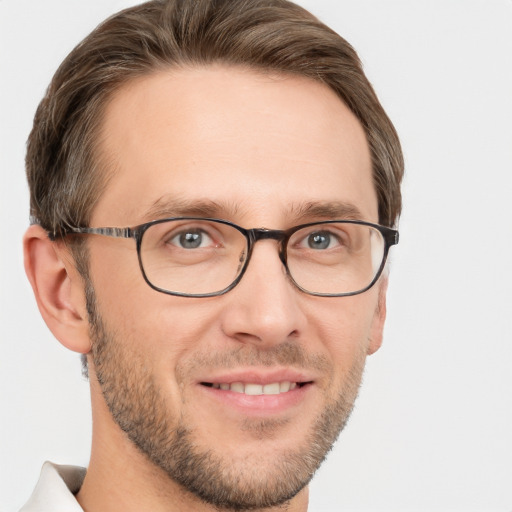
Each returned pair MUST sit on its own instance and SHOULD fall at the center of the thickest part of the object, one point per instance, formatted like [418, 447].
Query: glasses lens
[191, 256]
[335, 258]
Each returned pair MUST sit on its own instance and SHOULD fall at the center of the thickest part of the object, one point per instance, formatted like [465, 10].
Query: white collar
[55, 489]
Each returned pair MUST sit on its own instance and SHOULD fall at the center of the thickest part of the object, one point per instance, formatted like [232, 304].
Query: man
[214, 187]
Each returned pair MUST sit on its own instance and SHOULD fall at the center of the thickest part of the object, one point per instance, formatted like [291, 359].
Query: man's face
[260, 151]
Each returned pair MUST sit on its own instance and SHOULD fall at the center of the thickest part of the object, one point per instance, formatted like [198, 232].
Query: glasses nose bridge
[278, 235]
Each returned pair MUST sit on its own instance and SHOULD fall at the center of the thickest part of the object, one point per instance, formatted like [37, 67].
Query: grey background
[432, 426]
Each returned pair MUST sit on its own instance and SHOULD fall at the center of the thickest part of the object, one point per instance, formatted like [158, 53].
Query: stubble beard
[140, 410]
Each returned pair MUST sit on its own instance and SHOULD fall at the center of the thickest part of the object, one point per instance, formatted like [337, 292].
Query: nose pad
[271, 234]
[282, 255]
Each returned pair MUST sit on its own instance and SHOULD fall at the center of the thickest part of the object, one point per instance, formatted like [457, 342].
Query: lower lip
[259, 404]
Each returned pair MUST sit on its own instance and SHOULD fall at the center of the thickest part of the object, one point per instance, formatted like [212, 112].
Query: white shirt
[55, 491]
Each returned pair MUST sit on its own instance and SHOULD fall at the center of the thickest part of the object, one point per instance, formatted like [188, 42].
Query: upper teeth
[273, 388]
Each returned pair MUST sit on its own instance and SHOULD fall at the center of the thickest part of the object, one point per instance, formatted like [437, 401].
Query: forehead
[256, 146]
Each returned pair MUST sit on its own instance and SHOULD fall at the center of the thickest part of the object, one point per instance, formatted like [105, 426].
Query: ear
[379, 318]
[58, 288]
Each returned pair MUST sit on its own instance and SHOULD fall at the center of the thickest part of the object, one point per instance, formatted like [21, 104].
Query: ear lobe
[377, 329]
[58, 289]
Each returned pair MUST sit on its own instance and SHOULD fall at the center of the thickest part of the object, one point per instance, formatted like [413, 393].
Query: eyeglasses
[201, 257]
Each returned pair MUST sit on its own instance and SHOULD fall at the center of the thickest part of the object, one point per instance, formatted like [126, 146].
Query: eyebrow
[329, 210]
[172, 206]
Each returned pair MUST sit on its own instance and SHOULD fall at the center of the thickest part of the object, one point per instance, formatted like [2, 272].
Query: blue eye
[320, 240]
[191, 239]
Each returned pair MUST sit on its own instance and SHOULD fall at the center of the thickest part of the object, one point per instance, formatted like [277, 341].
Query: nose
[264, 309]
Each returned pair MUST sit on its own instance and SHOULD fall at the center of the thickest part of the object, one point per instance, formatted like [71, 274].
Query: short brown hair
[275, 35]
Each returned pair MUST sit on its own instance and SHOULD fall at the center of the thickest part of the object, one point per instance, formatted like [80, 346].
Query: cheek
[163, 330]
[344, 327]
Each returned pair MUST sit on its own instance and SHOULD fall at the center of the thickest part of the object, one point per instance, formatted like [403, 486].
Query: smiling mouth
[273, 388]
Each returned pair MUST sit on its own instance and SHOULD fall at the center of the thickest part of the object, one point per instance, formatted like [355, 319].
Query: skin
[258, 148]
